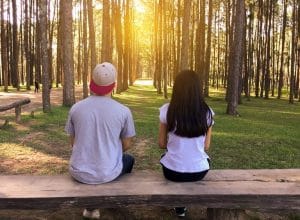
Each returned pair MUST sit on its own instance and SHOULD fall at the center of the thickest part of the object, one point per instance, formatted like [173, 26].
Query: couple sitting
[101, 129]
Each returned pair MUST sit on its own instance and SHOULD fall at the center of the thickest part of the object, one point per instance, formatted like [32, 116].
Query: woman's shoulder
[211, 111]
[164, 107]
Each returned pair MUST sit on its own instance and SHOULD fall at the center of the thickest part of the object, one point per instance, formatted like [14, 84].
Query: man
[100, 130]
[36, 86]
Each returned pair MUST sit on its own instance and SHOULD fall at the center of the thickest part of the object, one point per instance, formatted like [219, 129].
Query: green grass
[266, 135]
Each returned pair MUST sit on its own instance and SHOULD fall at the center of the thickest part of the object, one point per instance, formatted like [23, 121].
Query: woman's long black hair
[188, 114]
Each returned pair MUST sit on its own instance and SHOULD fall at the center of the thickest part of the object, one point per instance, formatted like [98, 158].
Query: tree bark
[119, 44]
[92, 34]
[200, 45]
[44, 53]
[15, 59]
[184, 61]
[293, 53]
[59, 47]
[208, 50]
[236, 54]
[68, 63]
[281, 74]
[105, 57]
[85, 52]
[268, 42]
[4, 50]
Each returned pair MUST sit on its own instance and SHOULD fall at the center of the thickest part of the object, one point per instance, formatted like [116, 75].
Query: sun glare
[139, 7]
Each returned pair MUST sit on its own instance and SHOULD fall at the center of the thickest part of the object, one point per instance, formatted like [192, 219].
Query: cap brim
[101, 90]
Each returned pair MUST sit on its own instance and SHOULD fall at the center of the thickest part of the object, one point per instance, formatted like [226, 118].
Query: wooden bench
[235, 190]
[17, 106]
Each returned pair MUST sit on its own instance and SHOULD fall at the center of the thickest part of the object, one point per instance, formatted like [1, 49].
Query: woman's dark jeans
[183, 177]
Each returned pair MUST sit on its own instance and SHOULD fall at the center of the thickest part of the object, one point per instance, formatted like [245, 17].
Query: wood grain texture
[239, 189]
[14, 104]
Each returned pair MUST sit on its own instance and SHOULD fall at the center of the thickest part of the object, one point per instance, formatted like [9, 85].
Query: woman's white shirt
[185, 155]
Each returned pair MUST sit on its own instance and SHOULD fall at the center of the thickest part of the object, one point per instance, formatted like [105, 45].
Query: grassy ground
[267, 135]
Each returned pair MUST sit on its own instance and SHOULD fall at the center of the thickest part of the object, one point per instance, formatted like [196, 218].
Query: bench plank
[240, 189]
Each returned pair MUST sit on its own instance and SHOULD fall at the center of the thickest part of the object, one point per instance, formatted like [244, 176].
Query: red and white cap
[103, 78]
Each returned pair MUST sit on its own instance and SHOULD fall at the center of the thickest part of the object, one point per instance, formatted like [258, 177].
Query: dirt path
[56, 97]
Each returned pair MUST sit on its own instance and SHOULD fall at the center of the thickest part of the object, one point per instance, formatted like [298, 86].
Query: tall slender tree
[119, 43]
[185, 35]
[105, 49]
[281, 74]
[236, 58]
[44, 53]
[200, 44]
[92, 41]
[293, 53]
[15, 48]
[208, 49]
[67, 52]
[85, 51]
[4, 49]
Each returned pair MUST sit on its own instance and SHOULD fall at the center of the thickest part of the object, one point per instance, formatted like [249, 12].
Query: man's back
[98, 123]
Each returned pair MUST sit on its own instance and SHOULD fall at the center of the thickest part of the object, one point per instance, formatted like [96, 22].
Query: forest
[245, 48]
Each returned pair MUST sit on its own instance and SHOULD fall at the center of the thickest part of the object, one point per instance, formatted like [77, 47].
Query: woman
[185, 131]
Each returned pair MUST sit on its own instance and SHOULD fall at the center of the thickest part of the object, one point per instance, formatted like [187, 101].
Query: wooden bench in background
[17, 106]
[226, 193]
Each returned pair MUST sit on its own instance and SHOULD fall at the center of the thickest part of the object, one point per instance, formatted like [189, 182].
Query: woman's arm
[162, 136]
[207, 138]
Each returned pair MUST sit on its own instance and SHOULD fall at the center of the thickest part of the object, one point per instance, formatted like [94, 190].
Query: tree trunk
[26, 46]
[59, 47]
[92, 34]
[85, 52]
[119, 44]
[80, 42]
[184, 62]
[268, 42]
[293, 53]
[106, 32]
[44, 53]
[200, 45]
[37, 60]
[51, 33]
[280, 85]
[4, 50]
[258, 48]
[68, 63]
[126, 45]
[208, 50]
[15, 59]
[178, 52]
[165, 48]
[237, 52]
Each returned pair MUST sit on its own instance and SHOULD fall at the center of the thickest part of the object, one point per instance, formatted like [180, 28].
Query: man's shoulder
[121, 106]
[82, 104]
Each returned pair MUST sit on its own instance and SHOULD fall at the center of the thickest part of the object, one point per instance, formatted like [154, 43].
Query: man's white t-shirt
[185, 155]
[98, 123]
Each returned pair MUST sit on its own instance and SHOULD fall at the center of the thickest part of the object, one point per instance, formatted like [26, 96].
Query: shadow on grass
[267, 135]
